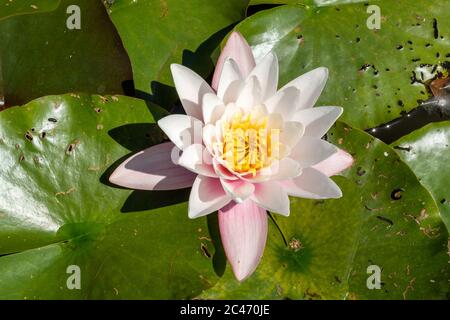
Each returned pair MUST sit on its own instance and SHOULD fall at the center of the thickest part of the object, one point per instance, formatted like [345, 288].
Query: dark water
[435, 109]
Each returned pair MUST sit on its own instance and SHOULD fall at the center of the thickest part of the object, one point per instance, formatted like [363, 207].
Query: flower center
[247, 143]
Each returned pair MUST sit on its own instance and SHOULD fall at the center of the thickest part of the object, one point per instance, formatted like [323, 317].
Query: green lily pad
[10, 8]
[374, 74]
[57, 209]
[385, 218]
[39, 55]
[158, 33]
[426, 151]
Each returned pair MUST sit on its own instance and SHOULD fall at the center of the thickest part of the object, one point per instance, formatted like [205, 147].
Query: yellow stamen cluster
[247, 144]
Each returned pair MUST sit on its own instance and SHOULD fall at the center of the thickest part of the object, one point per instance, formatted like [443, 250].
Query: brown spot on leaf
[65, 193]
[437, 85]
[295, 245]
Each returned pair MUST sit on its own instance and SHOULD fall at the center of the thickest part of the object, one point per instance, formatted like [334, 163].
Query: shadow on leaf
[201, 61]
[141, 200]
[137, 136]
[219, 258]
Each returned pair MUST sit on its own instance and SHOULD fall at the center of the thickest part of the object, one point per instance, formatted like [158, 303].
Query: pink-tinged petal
[153, 169]
[222, 171]
[312, 184]
[243, 230]
[197, 159]
[212, 108]
[310, 151]
[237, 49]
[271, 196]
[239, 190]
[284, 103]
[266, 72]
[310, 85]
[251, 94]
[335, 164]
[318, 120]
[207, 195]
[191, 88]
[182, 130]
[230, 74]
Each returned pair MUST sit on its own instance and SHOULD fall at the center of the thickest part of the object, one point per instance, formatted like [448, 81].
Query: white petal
[312, 184]
[191, 88]
[250, 95]
[279, 170]
[209, 137]
[275, 121]
[310, 85]
[230, 73]
[233, 91]
[266, 72]
[291, 134]
[310, 151]
[212, 108]
[271, 196]
[284, 102]
[207, 195]
[181, 129]
[198, 160]
[318, 120]
[240, 190]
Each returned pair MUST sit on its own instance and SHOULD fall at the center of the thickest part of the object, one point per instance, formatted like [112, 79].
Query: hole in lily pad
[29, 136]
[384, 219]
[205, 251]
[360, 171]
[435, 28]
[71, 147]
[396, 194]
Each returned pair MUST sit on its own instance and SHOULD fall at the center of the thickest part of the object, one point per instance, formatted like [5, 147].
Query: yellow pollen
[247, 144]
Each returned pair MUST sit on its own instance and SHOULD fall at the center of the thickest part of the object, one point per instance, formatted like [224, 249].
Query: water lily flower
[244, 147]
